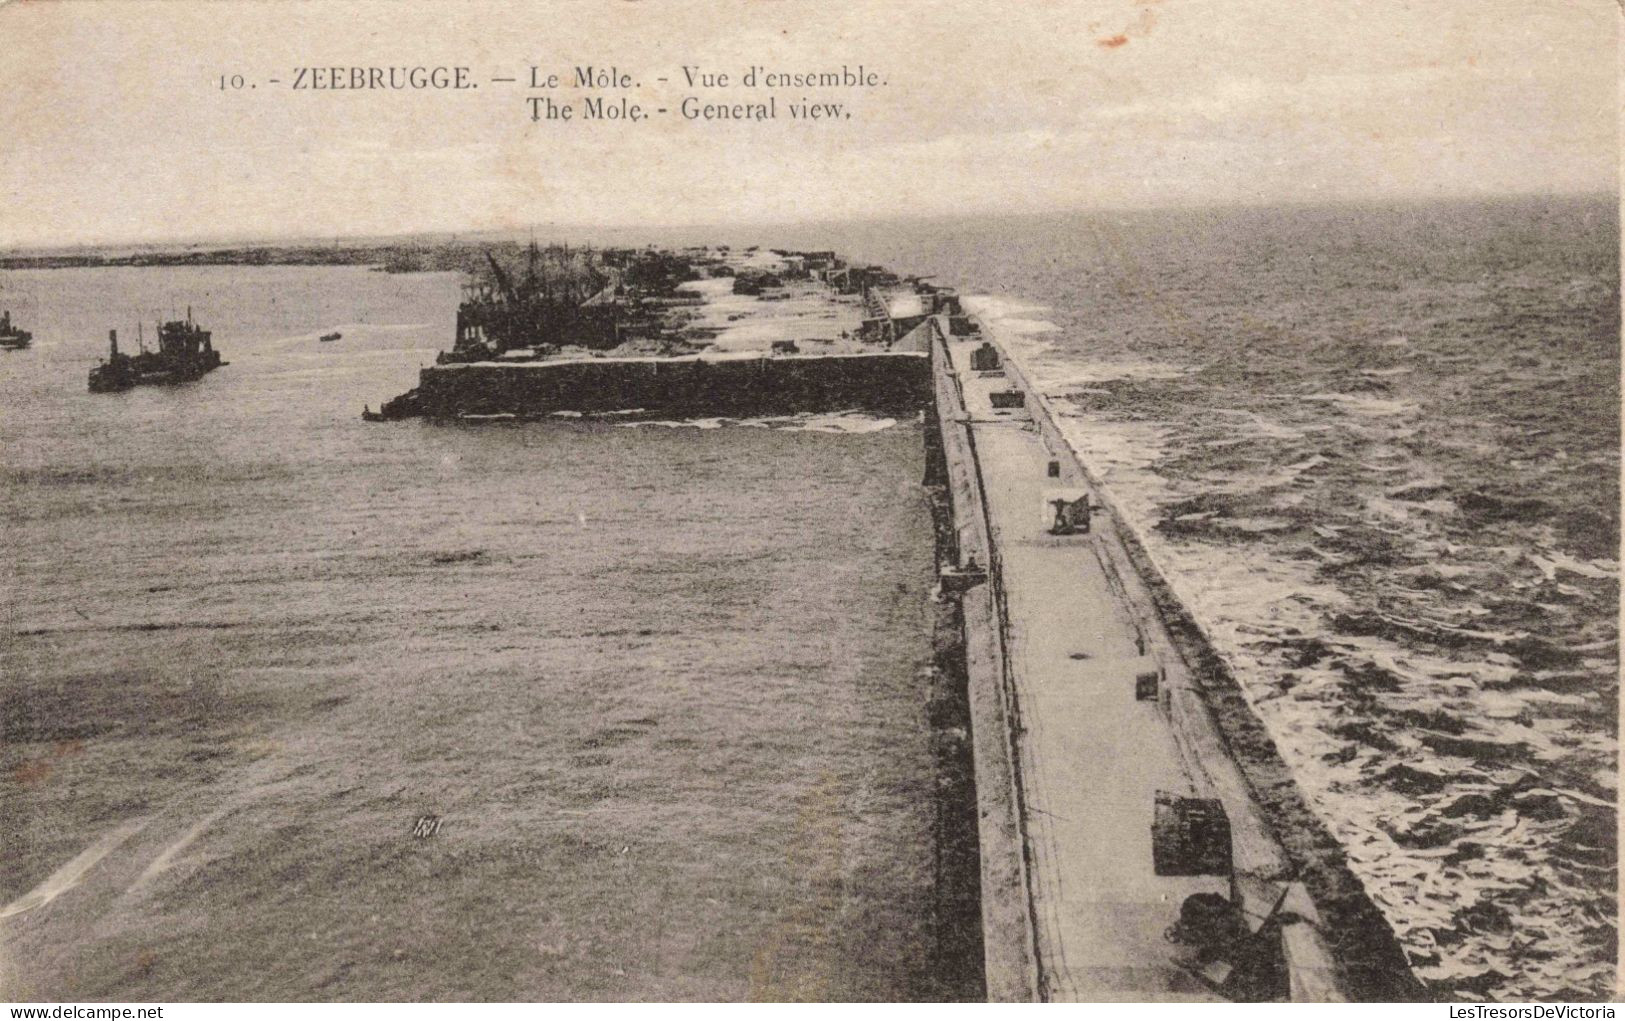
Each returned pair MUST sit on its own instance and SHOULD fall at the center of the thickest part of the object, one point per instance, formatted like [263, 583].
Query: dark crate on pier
[1190, 836]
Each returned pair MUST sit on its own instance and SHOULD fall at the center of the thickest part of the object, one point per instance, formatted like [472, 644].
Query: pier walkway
[1092, 756]
[1095, 710]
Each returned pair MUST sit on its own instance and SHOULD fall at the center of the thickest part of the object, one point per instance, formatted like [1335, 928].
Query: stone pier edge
[1009, 934]
[1278, 838]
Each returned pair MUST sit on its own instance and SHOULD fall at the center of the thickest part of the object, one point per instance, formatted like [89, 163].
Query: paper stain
[1139, 30]
[38, 770]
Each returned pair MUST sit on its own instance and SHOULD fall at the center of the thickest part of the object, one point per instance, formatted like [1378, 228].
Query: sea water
[540, 711]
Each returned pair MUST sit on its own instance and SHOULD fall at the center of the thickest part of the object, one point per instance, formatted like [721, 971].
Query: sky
[114, 127]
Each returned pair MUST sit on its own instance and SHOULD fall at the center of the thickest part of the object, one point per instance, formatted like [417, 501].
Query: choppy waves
[1422, 616]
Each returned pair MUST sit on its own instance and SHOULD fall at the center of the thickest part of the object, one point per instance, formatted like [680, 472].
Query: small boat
[330, 337]
[13, 338]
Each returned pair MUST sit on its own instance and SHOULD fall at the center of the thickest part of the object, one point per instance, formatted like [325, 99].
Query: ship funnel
[112, 341]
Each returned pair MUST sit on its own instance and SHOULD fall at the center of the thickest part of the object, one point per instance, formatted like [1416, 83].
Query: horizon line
[43, 249]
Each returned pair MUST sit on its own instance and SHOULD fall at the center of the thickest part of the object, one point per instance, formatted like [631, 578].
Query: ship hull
[114, 378]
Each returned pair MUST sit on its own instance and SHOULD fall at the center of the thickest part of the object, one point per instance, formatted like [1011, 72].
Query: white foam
[1266, 428]
[1055, 375]
[718, 286]
[1364, 404]
[1010, 321]
[846, 422]
[1556, 560]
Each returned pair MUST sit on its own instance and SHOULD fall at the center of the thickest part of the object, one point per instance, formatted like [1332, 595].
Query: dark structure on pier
[543, 308]
[563, 297]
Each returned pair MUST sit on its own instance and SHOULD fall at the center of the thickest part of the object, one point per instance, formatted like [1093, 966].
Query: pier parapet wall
[1011, 966]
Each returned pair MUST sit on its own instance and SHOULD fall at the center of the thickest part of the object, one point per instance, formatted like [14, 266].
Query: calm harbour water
[664, 687]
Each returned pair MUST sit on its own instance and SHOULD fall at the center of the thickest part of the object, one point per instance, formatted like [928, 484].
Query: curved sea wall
[880, 382]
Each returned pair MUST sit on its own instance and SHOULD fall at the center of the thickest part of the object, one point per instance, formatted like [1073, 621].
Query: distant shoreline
[415, 258]
[437, 250]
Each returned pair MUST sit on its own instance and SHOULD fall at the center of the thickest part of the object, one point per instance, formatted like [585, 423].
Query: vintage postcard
[733, 500]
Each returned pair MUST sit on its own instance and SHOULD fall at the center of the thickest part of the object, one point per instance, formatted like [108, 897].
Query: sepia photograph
[883, 501]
